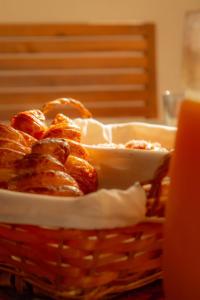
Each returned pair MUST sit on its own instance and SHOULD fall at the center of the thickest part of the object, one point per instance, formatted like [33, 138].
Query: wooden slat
[19, 45]
[16, 62]
[84, 29]
[57, 78]
[21, 101]
[13, 96]
[98, 112]
[118, 111]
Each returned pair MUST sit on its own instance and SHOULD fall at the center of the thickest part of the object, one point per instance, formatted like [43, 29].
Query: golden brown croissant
[58, 148]
[61, 118]
[51, 105]
[64, 190]
[77, 149]
[62, 130]
[44, 179]
[83, 172]
[36, 162]
[8, 157]
[8, 132]
[11, 144]
[30, 140]
[31, 122]
[43, 174]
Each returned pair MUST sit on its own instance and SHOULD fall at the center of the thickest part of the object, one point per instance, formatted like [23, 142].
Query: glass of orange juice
[182, 228]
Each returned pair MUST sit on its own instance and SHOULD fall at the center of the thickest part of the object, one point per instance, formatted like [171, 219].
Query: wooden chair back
[109, 67]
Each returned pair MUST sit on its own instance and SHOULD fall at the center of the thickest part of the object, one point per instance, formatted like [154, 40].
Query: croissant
[61, 118]
[30, 140]
[58, 148]
[51, 105]
[8, 157]
[64, 190]
[40, 180]
[77, 149]
[83, 172]
[36, 162]
[8, 132]
[31, 122]
[63, 130]
[44, 174]
[11, 144]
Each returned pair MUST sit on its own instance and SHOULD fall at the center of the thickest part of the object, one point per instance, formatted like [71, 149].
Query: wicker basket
[87, 264]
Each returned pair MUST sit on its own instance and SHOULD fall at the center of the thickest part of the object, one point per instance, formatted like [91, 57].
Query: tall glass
[182, 229]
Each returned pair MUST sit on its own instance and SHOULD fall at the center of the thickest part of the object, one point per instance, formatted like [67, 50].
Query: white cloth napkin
[94, 132]
[103, 209]
[120, 168]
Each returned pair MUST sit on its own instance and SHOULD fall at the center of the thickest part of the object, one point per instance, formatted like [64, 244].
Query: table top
[153, 291]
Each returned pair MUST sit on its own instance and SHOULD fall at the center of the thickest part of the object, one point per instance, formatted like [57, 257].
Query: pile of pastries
[136, 144]
[46, 159]
[36, 157]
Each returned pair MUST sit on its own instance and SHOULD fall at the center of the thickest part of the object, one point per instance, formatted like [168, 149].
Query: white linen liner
[121, 167]
[103, 209]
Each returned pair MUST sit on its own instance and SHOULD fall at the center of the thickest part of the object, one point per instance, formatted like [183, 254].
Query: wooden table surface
[153, 291]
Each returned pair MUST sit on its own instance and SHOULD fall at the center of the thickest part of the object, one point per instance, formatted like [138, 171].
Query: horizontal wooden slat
[58, 78]
[65, 45]
[10, 101]
[83, 29]
[117, 111]
[99, 111]
[13, 96]
[5, 116]
[12, 62]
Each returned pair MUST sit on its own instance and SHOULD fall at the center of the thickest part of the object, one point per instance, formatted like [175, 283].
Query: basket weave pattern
[82, 263]
[86, 264]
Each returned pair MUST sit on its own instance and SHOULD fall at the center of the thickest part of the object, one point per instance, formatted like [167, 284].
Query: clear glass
[182, 226]
[171, 107]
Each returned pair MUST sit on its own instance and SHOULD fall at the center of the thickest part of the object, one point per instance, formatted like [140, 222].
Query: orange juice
[182, 229]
